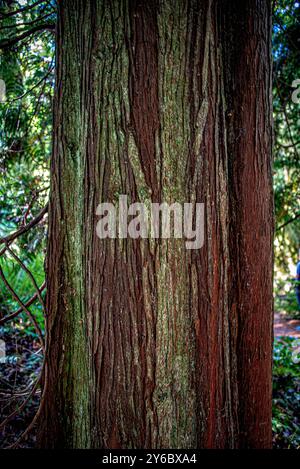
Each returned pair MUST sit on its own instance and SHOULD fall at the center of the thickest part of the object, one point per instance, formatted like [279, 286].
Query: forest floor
[285, 326]
[23, 361]
[20, 366]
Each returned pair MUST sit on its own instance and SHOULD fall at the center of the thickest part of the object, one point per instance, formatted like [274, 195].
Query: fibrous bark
[150, 345]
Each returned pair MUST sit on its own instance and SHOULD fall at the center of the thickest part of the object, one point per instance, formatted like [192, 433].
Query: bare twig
[38, 413]
[21, 10]
[34, 86]
[20, 310]
[35, 195]
[21, 407]
[23, 306]
[24, 229]
[6, 43]
[29, 273]
[28, 23]
[288, 222]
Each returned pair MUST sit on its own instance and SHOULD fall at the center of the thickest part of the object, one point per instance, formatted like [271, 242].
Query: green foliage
[24, 288]
[27, 67]
[285, 298]
[25, 116]
[286, 393]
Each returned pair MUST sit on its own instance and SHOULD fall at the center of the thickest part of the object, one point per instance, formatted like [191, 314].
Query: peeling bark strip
[150, 345]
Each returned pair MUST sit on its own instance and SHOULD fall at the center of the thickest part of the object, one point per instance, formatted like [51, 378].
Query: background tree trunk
[150, 345]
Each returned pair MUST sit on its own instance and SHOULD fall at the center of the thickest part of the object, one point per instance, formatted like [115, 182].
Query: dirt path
[284, 326]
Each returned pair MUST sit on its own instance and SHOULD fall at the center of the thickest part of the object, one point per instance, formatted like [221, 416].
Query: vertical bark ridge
[247, 39]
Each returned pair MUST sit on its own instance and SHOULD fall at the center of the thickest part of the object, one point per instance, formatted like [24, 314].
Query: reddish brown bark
[150, 345]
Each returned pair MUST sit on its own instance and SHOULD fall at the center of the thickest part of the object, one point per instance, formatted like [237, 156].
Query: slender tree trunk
[151, 345]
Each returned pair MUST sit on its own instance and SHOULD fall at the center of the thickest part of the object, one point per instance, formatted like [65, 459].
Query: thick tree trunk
[149, 344]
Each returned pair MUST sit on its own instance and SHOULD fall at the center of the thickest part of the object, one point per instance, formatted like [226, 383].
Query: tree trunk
[151, 345]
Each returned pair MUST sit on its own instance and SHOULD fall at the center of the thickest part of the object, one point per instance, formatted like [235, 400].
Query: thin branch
[35, 418]
[28, 23]
[24, 229]
[21, 393]
[11, 42]
[21, 10]
[51, 68]
[35, 193]
[30, 275]
[44, 373]
[288, 222]
[23, 306]
[11, 316]
[21, 407]
[292, 145]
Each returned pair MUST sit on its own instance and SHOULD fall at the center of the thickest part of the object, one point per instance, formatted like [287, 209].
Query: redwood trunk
[150, 345]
